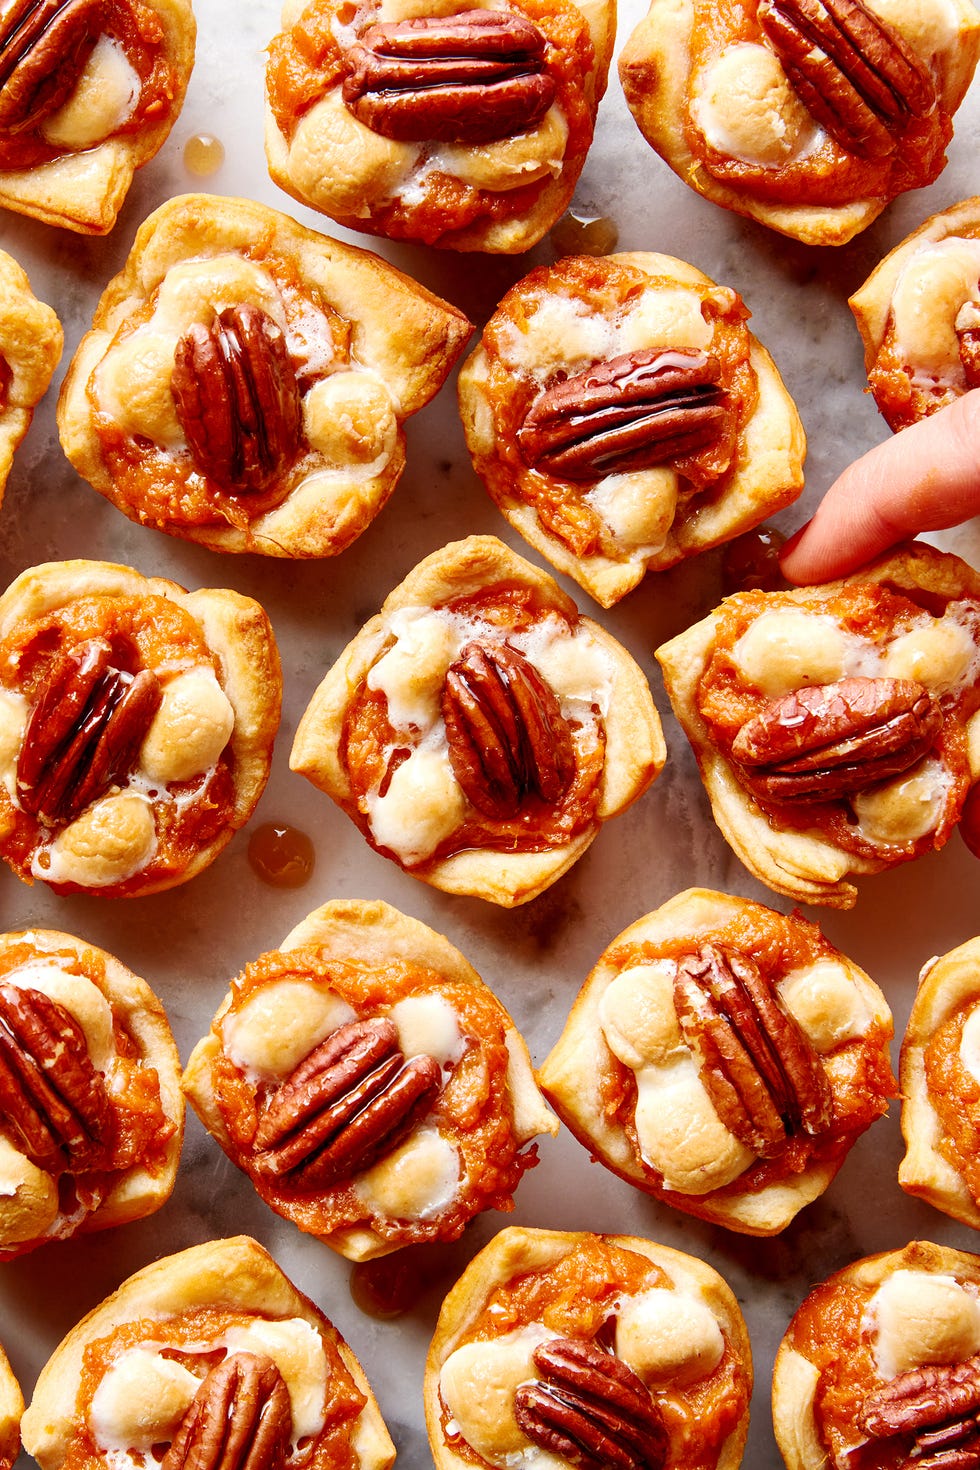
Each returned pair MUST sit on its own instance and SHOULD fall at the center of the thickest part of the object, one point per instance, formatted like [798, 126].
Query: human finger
[924, 478]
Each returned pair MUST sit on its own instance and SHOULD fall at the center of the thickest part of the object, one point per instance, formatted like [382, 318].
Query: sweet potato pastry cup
[246, 380]
[623, 1307]
[715, 444]
[638, 1076]
[458, 161]
[30, 349]
[863, 1373]
[780, 122]
[440, 1137]
[126, 1377]
[136, 725]
[123, 69]
[919, 317]
[815, 792]
[552, 727]
[63, 1177]
[939, 1075]
[11, 1409]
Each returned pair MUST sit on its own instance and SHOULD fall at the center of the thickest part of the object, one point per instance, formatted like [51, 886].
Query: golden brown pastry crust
[84, 177]
[655, 517]
[11, 1409]
[367, 345]
[501, 196]
[372, 956]
[236, 704]
[144, 1082]
[518, 1254]
[634, 750]
[915, 313]
[794, 177]
[235, 1277]
[840, 1364]
[30, 349]
[933, 1167]
[801, 861]
[593, 1072]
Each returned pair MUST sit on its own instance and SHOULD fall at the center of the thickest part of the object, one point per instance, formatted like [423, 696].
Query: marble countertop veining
[189, 942]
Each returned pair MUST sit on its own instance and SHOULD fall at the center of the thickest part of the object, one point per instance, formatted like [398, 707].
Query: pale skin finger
[925, 478]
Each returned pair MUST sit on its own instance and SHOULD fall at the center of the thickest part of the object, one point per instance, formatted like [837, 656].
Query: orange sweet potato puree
[473, 1110]
[955, 1094]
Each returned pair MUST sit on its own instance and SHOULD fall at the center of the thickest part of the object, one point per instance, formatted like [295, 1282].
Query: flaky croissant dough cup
[655, 70]
[635, 747]
[920, 370]
[84, 190]
[404, 341]
[796, 1379]
[765, 476]
[236, 1275]
[336, 164]
[11, 1409]
[30, 349]
[801, 865]
[519, 1250]
[947, 984]
[571, 1075]
[238, 635]
[138, 1190]
[372, 933]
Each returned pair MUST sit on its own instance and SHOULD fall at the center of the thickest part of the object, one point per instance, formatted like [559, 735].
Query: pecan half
[84, 732]
[44, 45]
[240, 1419]
[758, 1067]
[508, 738]
[53, 1102]
[641, 409]
[467, 78]
[827, 740]
[237, 398]
[938, 1405]
[855, 73]
[350, 1101]
[591, 1408]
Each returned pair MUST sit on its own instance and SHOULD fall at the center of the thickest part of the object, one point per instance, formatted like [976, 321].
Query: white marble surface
[188, 943]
